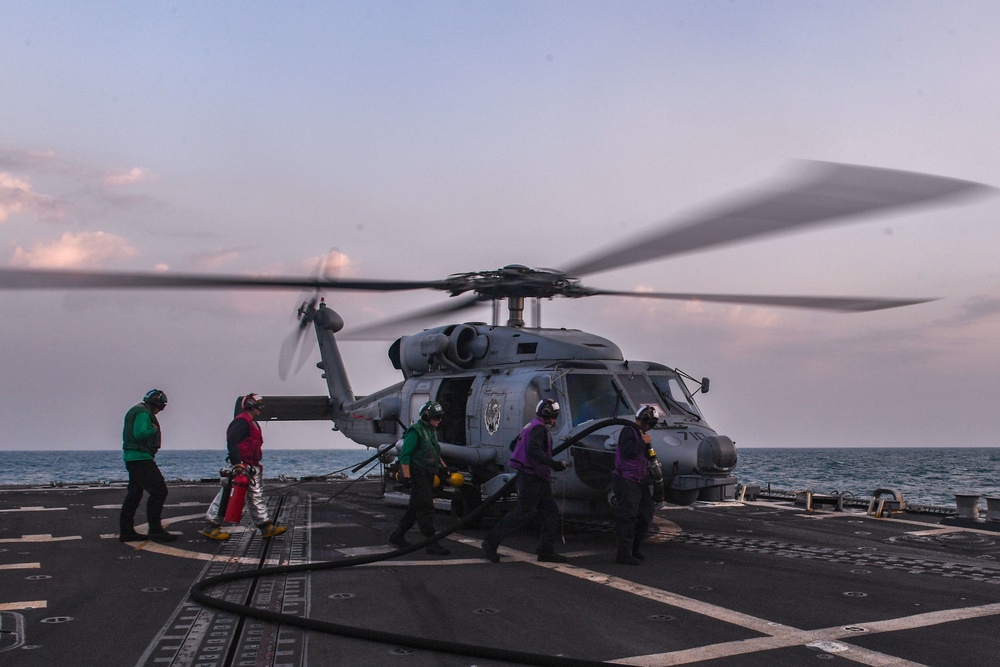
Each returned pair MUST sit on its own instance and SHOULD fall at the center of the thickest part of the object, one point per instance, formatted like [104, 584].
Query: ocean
[925, 476]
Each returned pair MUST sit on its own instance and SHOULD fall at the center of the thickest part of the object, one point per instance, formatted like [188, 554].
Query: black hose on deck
[198, 593]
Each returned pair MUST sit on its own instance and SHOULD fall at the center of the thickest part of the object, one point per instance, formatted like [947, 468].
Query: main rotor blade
[388, 328]
[54, 279]
[842, 304]
[827, 193]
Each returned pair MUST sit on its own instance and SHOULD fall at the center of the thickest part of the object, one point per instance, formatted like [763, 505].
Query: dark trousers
[633, 513]
[420, 511]
[534, 494]
[143, 476]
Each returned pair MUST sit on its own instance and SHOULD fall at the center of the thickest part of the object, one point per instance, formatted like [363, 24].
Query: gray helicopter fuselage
[489, 380]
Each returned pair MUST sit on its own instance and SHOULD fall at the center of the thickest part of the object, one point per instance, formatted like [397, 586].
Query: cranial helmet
[647, 416]
[547, 409]
[155, 398]
[252, 402]
[431, 410]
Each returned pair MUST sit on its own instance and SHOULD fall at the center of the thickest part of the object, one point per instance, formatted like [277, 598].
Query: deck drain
[861, 571]
[402, 651]
[855, 629]
[154, 589]
[661, 617]
[855, 594]
[38, 577]
[341, 596]
[701, 588]
[57, 619]
[486, 611]
[862, 532]
[129, 556]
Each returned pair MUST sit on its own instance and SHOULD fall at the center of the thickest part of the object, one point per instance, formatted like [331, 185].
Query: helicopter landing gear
[464, 502]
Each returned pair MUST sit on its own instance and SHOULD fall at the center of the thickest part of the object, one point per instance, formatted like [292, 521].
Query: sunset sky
[415, 140]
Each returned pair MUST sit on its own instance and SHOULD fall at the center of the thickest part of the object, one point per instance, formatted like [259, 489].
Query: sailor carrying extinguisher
[246, 479]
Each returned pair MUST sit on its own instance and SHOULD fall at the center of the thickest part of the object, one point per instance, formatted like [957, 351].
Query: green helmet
[155, 398]
[431, 410]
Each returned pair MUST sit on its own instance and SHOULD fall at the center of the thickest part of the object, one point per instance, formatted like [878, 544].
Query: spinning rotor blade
[289, 350]
[53, 279]
[828, 193]
[387, 328]
[844, 304]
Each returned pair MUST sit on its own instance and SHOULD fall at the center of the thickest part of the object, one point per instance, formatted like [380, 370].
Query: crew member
[420, 459]
[245, 442]
[532, 458]
[633, 507]
[140, 442]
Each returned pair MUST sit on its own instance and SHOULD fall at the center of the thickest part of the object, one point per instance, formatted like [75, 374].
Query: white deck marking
[35, 509]
[30, 604]
[39, 538]
[777, 635]
[20, 566]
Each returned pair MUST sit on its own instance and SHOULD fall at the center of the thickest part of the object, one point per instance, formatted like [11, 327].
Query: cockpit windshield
[675, 391]
[595, 396]
[605, 396]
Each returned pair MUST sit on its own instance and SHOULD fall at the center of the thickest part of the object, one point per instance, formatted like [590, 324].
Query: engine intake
[454, 346]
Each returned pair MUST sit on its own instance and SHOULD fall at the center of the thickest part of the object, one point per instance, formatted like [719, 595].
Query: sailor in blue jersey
[532, 458]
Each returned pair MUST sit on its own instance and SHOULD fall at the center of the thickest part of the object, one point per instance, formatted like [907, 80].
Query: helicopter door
[453, 395]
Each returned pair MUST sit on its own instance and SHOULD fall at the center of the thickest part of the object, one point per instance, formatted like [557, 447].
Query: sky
[420, 139]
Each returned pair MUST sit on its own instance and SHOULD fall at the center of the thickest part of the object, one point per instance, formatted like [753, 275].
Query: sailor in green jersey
[420, 459]
[140, 442]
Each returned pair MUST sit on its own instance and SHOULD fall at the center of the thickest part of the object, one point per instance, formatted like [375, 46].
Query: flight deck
[728, 583]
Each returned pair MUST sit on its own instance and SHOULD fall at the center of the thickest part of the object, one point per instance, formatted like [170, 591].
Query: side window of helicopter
[594, 396]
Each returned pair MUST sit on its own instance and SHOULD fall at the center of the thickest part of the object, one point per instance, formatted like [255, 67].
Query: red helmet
[252, 402]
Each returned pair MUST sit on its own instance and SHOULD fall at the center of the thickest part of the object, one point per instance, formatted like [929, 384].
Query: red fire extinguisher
[234, 510]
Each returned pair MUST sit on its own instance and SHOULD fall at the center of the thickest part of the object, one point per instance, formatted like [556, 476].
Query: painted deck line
[20, 566]
[29, 604]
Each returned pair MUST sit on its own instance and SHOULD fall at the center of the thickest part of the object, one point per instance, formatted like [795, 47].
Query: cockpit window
[674, 390]
[641, 392]
[595, 396]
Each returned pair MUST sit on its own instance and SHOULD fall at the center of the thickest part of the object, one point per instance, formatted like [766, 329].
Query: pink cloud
[74, 250]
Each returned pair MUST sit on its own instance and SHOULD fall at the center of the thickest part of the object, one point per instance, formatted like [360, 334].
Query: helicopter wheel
[465, 501]
[681, 497]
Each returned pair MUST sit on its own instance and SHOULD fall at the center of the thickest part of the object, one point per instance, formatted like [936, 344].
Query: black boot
[625, 557]
[398, 539]
[436, 549]
[547, 554]
[490, 552]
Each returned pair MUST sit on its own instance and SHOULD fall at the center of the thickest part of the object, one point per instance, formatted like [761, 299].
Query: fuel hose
[198, 590]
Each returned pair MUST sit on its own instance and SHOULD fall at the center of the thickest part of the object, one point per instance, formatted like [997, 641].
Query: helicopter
[489, 377]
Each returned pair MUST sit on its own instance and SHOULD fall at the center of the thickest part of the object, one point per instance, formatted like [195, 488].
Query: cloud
[127, 177]
[334, 264]
[17, 196]
[74, 250]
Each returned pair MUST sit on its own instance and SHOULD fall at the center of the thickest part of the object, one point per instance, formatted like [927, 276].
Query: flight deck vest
[520, 459]
[634, 469]
[251, 449]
